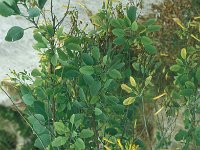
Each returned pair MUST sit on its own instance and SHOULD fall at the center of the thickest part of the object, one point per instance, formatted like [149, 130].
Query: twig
[65, 15]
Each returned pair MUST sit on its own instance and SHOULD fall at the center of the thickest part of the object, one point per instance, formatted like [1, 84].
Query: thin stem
[65, 15]
[145, 123]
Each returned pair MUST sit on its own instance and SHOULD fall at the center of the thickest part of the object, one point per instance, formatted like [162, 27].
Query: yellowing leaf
[126, 88]
[120, 144]
[132, 81]
[193, 36]
[198, 17]
[178, 21]
[159, 111]
[107, 148]
[105, 139]
[129, 101]
[58, 67]
[183, 53]
[157, 97]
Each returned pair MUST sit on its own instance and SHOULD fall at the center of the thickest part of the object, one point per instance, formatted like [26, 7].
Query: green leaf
[107, 83]
[197, 136]
[59, 141]
[116, 23]
[28, 99]
[86, 133]
[134, 26]
[82, 94]
[153, 28]
[94, 100]
[5, 10]
[74, 47]
[72, 119]
[62, 55]
[186, 92]
[131, 13]
[41, 3]
[33, 12]
[197, 75]
[95, 88]
[119, 41]
[175, 68]
[118, 32]
[150, 21]
[179, 61]
[35, 73]
[189, 85]
[148, 81]
[150, 49]
[105, 59]
[88, 79]
[79, 144]
[24, 90]
[180, 135]
[54, 60]
[115, 74]
[87, 70]
[36, 119]
[96, 53]
[60, 128]
[38, 37]
[97, 111]
[129, 101]
[8, 2]
[42, 140]
[88, 60]
[15, 33]
[146, 40]
[71, 73]
[39, 129]
[111, 131]
[39, 106]
[38, 46]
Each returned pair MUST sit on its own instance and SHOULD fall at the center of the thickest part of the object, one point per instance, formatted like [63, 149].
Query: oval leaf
[150, 49]
[115, 74]
[75, 47]
[126, 88]
[183, 53]
[15, 33]
[198, 74]
[33, 12]
[132, 81]
[134, 26]
[86, 133]
[118, 32]
[59, 141]
[79, 144]
[131, 13]
[87, 70]
[129, 101]
[146, 40]
[28, 99]
[154, 28]
[97, 111]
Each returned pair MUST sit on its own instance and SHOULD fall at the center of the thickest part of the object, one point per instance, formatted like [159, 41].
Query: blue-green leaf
[15, 33]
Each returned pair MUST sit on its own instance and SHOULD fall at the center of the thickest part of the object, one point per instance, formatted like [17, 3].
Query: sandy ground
[20, 54]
